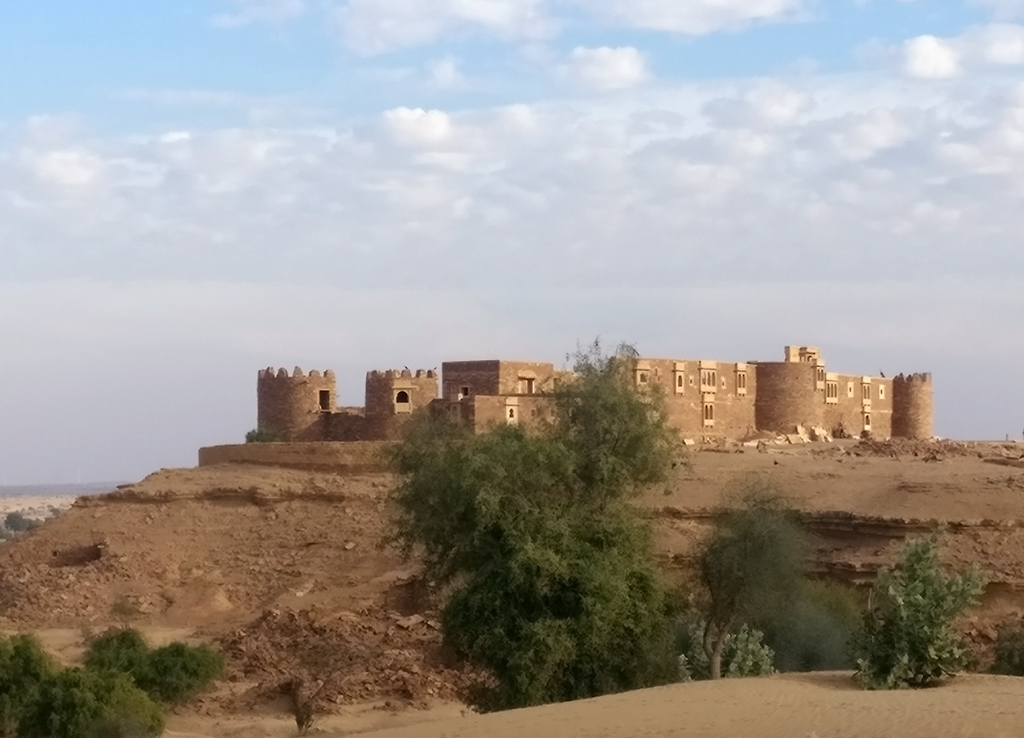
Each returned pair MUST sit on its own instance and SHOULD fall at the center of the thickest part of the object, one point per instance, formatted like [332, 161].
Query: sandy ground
[823, 705]
[34, 506]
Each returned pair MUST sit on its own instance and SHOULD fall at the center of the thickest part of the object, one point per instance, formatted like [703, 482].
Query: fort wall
[345, 458]
[912, 412]
[703, 397]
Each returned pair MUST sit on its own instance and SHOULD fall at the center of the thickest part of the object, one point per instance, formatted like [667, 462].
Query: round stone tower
[786, 396]
[295, 407]
[913, 413]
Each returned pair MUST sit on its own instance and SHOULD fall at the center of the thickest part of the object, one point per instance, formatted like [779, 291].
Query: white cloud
[68, 168]
[1004, 8]
[927, 57]
[863, 136]
[994, 44]
[607, 68]
[997, 43]
[418, 127]
[692, 17]
[446, 73]
[260, 11]
[377, 26]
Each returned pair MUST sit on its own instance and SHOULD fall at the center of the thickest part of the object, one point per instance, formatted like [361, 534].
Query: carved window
[325, 401]
[709, 414]
[709, 379]
[867, 421]
[402, 398]
[865, 391]
[881, 392]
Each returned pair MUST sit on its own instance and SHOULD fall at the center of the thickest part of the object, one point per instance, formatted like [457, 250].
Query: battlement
[401, 374]
[922, 378]
[270, 373]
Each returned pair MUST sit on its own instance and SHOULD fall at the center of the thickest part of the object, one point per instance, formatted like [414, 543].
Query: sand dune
[824, 705]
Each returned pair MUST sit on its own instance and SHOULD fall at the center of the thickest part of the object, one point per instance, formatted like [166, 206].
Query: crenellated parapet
[290, 406]
[398, 392]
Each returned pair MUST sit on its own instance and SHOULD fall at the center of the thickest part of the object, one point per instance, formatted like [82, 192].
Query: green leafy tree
[24, 666]
[751, 566]
[908, 638]
[553, 584]
[77, 703]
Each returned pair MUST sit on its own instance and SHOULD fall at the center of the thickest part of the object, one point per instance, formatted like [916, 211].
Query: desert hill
[283, 570]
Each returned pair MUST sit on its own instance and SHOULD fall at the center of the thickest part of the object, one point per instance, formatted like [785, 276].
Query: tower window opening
[463, 392]
[512, 413]
[643, 378]
[881, 392]
[849, 389]
[402, 398]
[679, 381]
[325, 401]
[865, 391]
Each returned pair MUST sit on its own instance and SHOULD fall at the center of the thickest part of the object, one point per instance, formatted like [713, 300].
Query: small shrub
[122, 650]
[1009, 649]
[814, 634]
[77, 703]
[262, 435]
[16, 522]
[908, 638]
[169, 674]
[744, 653]
[178, 671]
[24, 666]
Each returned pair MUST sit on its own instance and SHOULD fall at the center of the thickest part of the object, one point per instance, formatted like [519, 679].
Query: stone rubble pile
[366, 656]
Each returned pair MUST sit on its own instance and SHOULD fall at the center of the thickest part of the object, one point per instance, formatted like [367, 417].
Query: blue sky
[192, 190]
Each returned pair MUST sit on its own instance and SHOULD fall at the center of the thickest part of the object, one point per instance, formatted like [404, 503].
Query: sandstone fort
[705, 399]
